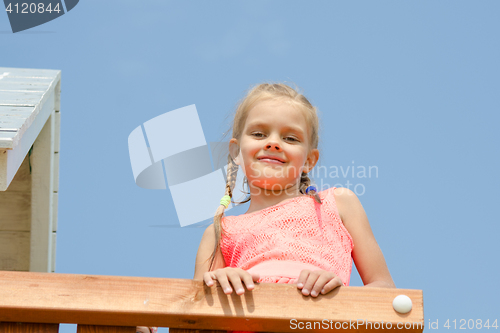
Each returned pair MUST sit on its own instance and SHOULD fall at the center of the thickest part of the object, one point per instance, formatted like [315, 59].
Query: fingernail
[305, 291]
[251, 286]
[228, 290]
[322, 291]
[313, 293]
[240, 291]
[300, 285]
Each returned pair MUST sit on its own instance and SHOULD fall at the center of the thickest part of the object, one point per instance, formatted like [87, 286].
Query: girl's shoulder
[346, 201]
[342, 192]
[209, 233]
[333, 193]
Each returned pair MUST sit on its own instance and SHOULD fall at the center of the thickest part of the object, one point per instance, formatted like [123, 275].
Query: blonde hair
[259, 93]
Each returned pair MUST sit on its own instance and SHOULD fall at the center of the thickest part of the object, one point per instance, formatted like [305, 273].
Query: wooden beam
[28, 328]
[104, 329]
[57, 94]
[188, 304]
[42, 180]
[183, 330]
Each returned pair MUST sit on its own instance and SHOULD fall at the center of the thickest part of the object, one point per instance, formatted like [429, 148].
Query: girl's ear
[311, 160]
[234, 151]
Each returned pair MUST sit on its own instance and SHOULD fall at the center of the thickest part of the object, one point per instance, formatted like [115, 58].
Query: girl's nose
[273, 146]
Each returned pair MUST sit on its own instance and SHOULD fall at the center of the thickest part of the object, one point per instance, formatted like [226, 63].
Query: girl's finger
[332, 284]
[248, 280]
[310, 282]
[302, 278]
[235, 279]
[224, 283]
[208, 279]
[323, 279]
[255, 277]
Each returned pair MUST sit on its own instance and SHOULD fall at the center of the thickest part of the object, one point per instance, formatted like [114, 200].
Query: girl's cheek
[253, 170]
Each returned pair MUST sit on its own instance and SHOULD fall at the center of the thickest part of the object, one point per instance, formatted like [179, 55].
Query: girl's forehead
[276, 111]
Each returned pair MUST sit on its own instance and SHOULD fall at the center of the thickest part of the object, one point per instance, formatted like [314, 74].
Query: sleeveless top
[279, 241]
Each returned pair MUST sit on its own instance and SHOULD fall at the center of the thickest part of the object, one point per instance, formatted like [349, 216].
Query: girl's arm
[205, 250]
[366, 253]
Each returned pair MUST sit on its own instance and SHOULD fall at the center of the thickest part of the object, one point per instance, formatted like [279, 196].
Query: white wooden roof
[27, 99]
[23, 93]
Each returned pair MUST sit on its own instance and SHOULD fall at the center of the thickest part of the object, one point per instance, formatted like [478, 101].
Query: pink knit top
[278, 242]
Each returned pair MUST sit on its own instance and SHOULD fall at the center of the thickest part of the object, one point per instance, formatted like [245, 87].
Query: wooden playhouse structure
[29, 164]
[32, 299]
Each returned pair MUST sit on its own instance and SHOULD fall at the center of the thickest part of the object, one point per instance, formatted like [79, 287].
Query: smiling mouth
[272, 161]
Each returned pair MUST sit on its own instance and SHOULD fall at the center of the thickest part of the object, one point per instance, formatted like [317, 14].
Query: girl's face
[274, 146]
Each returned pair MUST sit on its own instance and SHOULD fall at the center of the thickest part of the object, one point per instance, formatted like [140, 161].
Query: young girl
[290, 233]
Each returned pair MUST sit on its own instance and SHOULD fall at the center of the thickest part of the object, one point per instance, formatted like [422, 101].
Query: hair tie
[225, 200]
[311, 188]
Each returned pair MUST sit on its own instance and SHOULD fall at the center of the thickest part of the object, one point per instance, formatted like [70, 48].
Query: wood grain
[188, 304]
[22, 180]
[14, 250]
[15, 211]
[182, 330]
[28, 328]
[104, 329]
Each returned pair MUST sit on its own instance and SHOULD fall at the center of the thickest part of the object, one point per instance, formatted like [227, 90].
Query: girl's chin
[271, 184]
[273, 172]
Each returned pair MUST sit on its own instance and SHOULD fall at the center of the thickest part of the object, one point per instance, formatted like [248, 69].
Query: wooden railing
[38, 302]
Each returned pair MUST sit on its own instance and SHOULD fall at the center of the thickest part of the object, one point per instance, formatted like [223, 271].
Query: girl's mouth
[269, 160]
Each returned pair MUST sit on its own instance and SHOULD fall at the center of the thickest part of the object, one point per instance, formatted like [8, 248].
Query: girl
[290, 233]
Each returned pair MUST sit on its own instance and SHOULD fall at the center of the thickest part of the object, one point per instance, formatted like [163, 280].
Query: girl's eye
[261, 135]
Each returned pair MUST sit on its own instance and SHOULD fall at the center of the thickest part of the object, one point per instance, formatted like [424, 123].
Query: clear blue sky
[409, 87]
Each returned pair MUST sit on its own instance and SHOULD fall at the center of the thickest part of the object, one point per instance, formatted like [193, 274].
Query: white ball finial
[402, 304]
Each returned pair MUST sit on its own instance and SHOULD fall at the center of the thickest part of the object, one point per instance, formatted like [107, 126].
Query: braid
[232, 171]
[304, 184]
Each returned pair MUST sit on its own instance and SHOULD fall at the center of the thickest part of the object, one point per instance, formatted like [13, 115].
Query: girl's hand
[228, 276]
[315, 282]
